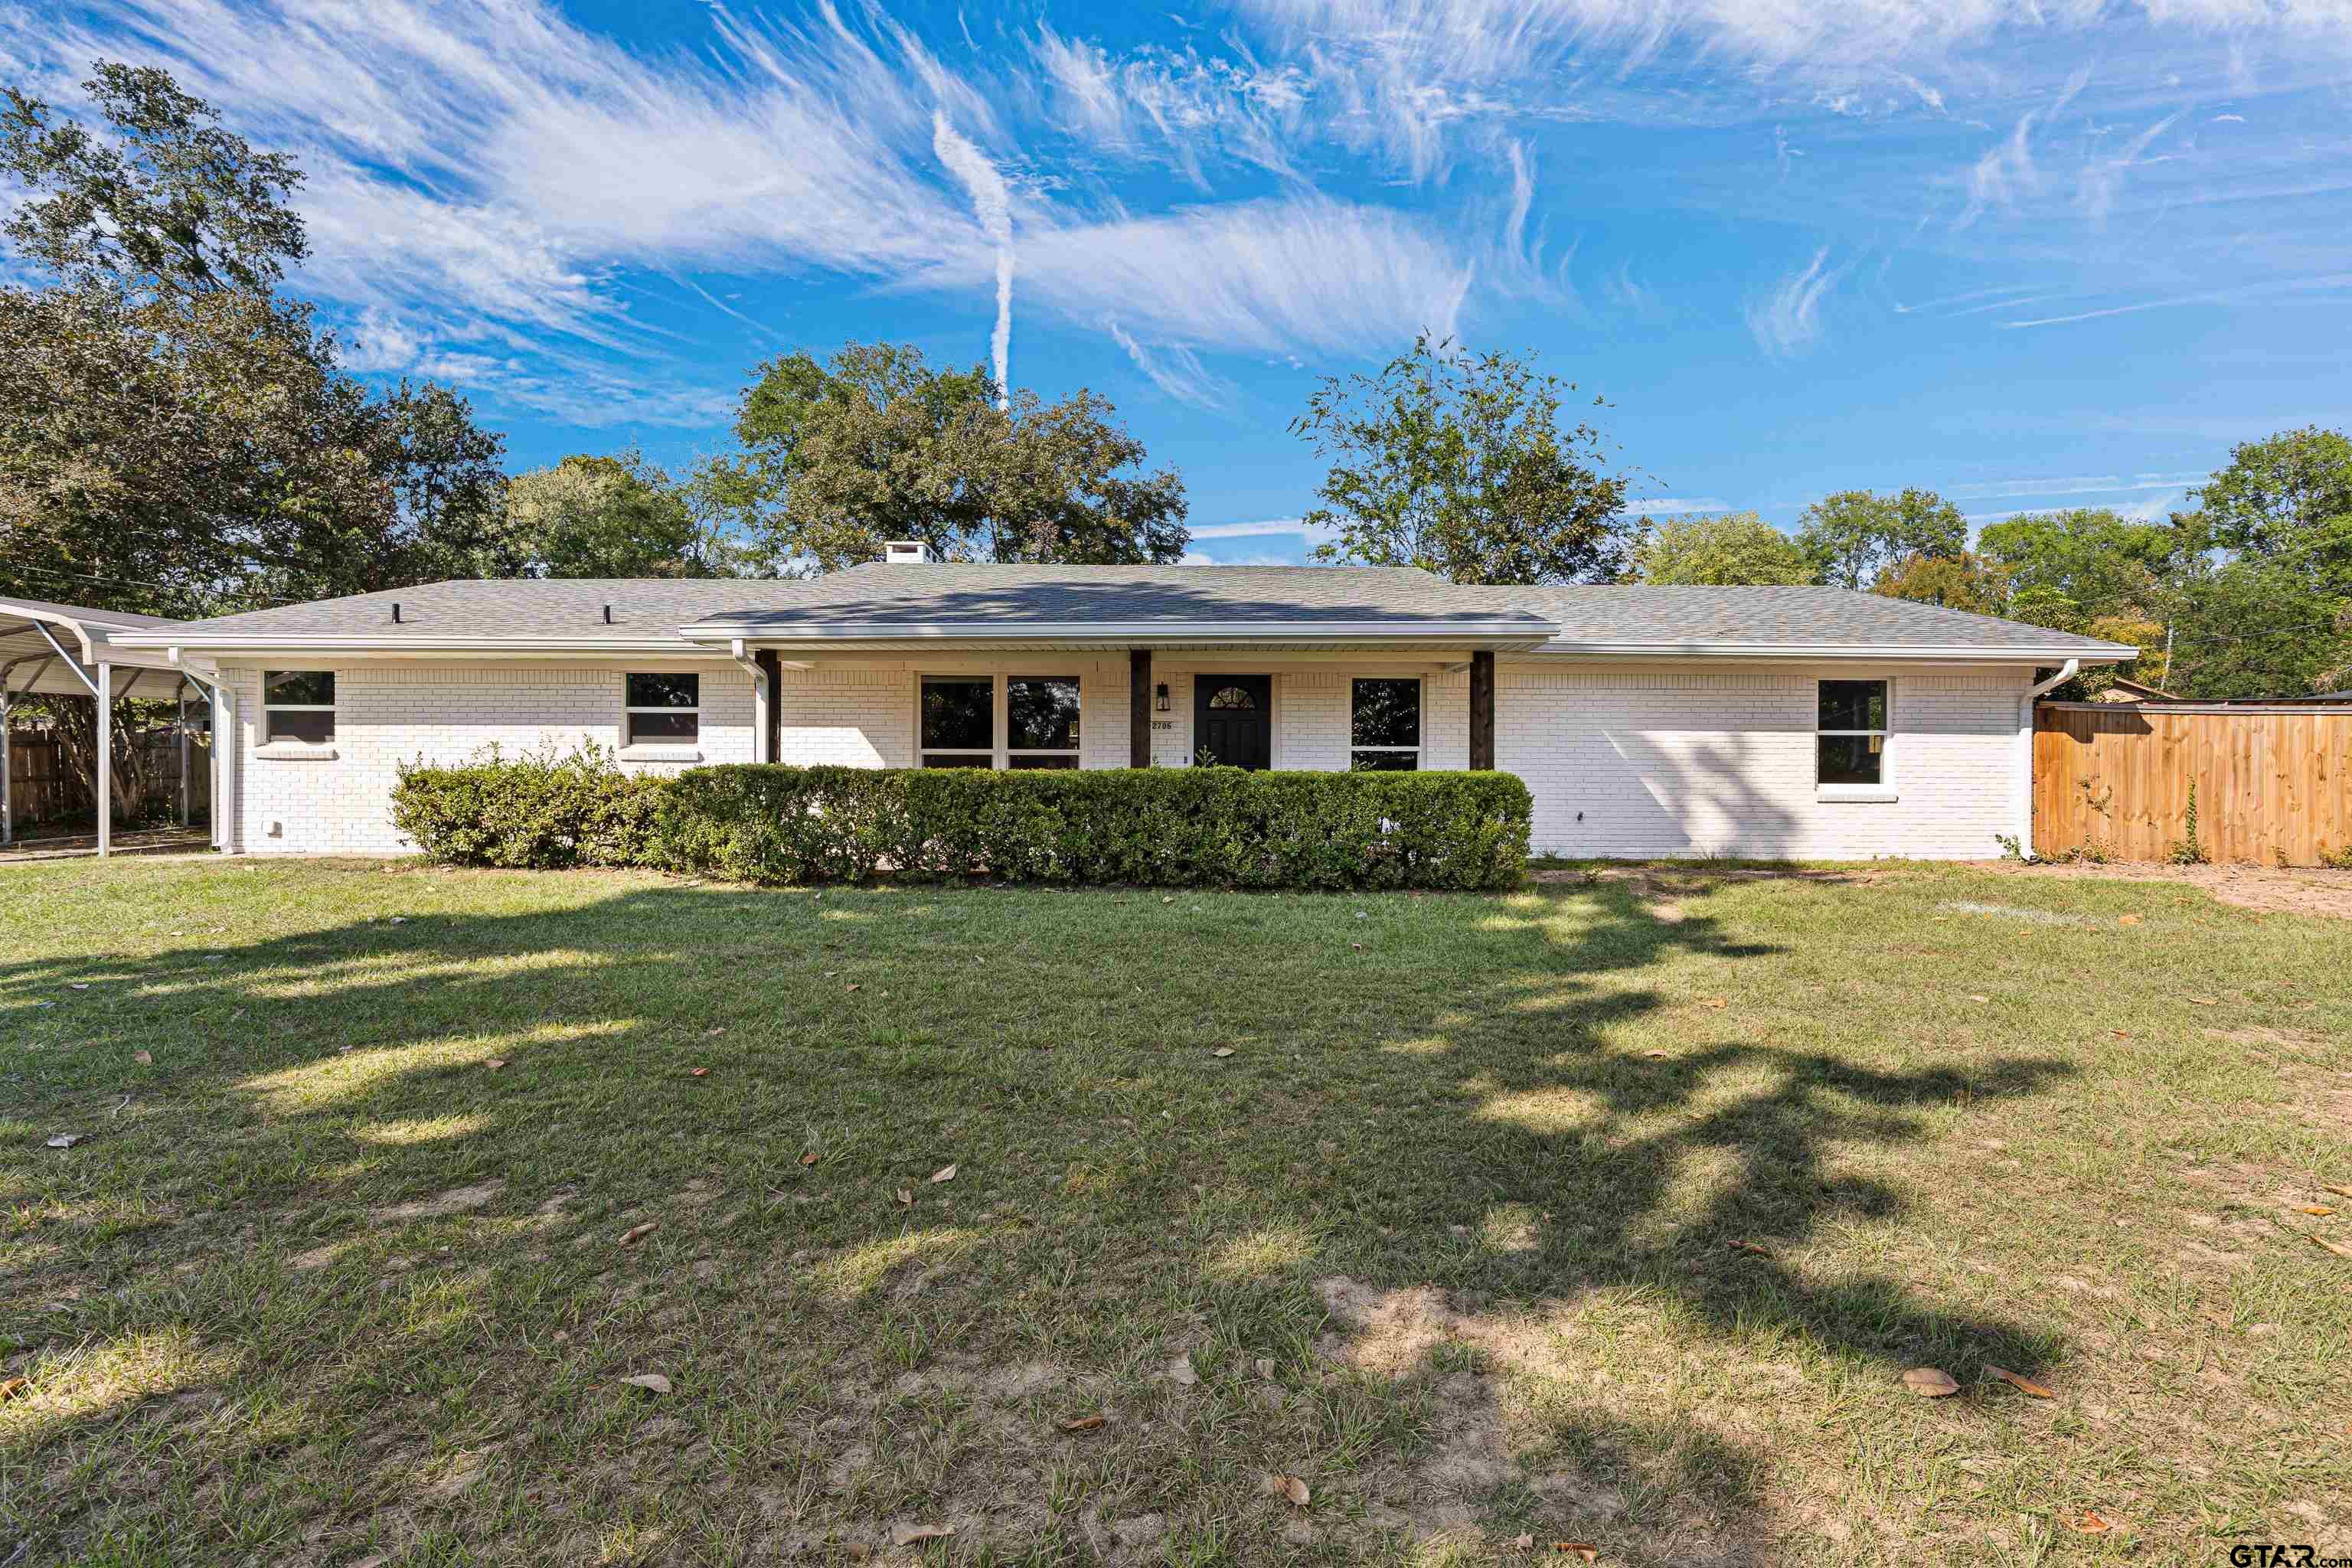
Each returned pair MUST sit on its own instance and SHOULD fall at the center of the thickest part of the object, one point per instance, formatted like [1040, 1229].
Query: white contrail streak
[991, 203]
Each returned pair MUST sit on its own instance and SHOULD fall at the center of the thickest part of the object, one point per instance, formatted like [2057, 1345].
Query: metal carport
[68, 650]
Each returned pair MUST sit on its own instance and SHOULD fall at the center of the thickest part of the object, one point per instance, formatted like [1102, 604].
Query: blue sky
[2029, 252]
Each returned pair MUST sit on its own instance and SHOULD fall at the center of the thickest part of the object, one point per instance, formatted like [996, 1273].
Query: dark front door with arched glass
[1232, 718]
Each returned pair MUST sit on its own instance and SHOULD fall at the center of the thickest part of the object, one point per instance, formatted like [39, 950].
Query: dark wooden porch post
[1482, 710]
[772, 666]
[1139, 700]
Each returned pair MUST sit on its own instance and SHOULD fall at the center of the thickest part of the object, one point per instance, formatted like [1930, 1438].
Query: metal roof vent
[908, 553]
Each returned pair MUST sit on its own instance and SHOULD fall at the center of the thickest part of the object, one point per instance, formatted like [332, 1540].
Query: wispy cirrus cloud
[1789, 320]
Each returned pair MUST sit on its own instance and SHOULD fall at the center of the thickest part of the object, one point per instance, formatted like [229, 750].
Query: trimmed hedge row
[539, 810]
[1155, 826]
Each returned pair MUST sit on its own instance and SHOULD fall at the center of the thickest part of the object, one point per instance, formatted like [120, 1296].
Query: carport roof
[29, 661]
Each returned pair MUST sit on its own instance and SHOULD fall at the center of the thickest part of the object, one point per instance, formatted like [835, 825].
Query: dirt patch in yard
[2310, 890]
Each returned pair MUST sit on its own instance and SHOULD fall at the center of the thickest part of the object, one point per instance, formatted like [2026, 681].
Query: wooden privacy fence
[42, 788]
[2273, 784]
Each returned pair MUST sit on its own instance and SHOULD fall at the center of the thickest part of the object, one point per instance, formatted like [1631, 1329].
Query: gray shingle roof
[1831, 617]
[651, 608]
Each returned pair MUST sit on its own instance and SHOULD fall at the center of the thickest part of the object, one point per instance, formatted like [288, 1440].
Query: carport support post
[104, 698]
[1138, 708]
[7, 767]
[1482, 710]
[181, 692]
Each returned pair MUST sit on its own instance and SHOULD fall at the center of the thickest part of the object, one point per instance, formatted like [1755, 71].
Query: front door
[1232, 718]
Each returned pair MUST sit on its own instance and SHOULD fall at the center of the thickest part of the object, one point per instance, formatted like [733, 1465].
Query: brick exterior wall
[1714, 761]
[386, 714]
[1621, 762]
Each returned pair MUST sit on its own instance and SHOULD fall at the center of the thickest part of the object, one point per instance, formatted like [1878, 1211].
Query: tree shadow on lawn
[1457, 1153]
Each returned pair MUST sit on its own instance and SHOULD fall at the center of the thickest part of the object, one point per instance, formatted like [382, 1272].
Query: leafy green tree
[1730, 550]
[173, 436]
[610, 517]
[839, 458]
[2286, 496]
[2099, 561]
[2255, 628]
[1458, 463]
[1854, 535]
[1961, 582]
[173, 204]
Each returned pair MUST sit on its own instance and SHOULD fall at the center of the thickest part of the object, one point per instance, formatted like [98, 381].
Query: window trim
[1885, 790]
[295, 745]
[659, 745]
[1419, 720]
[1000, 751]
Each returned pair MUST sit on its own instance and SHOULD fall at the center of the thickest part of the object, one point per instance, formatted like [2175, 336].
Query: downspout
[2022, 786]
[760, 699]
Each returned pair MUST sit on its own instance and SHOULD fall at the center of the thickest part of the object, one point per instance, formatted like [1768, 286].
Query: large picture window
[1384, 724]
[299, 705]
[1851, 739]
[1000, 721]
[664, 710]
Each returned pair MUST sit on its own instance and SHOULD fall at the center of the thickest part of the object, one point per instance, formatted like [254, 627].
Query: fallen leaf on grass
[637, 1233]
[1222, 1051]
[2340, 1250]
[1524, 1543]
[1655, 1056]
[2014, 1381]
[910, 1534]
[720, 1029]
[496, 1063]
[1714, 1002]
[653, 1382]
[809, 1158]
[1180, 1372]
[2203, 1001]
[1083, 1423]
[944, 1174]
[1265, 1368]
[15, 1386]
[1581, 1549]
[1748, 1247]
[2332, 1188]
[66, 1140]
[2086, 1523]
[2315, 1208]
[698, 1072]
[1979, 998]
[1930, 1382]
[853, 986]
[906, 1197]
[1296, 1490]
[144, 1058]
[2127, 920]
[2119, 1033]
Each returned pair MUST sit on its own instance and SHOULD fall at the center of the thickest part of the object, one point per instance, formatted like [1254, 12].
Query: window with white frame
[1385, 726]
[664, 710]
[1851, 735]
[999, 722]
[298, 705]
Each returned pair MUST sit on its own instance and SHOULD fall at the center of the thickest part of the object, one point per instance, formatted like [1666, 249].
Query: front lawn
[1612, 1212]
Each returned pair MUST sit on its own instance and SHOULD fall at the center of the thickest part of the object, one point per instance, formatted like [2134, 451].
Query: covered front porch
[1383, 708]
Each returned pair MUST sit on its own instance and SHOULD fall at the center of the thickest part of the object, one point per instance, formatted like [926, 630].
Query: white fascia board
[411, 647]
[1124, 633]
[2096, 652]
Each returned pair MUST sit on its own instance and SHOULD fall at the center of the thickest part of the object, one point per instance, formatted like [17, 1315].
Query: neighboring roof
[29, 661]
[1641, 617]
[1142, 604]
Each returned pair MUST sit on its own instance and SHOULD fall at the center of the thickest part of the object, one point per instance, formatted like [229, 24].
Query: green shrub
[1157, 827]
[538, 810]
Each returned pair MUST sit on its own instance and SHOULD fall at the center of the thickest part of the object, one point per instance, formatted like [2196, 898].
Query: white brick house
[1647, 721]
